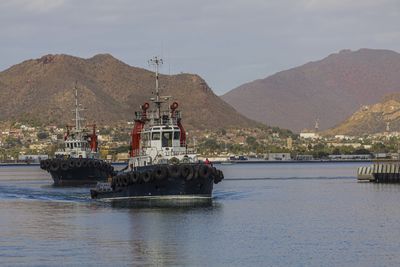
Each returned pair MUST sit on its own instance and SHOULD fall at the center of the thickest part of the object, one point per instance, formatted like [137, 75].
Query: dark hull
[386, 177]
[172, 188]
[78, 172]
[178, 188]
[79, 176]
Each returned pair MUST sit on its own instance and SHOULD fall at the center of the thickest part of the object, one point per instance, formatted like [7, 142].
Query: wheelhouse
[161, 137]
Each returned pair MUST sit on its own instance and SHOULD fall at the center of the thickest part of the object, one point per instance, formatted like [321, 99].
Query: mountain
[372, 119]
[42, 90]
[329, 90]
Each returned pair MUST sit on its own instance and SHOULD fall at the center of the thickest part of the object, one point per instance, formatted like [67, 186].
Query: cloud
[331, 5]
[35, 6]
[227, 43]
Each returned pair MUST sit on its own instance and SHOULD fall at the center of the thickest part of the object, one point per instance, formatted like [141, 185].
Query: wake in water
[289, 178]
[44, 194]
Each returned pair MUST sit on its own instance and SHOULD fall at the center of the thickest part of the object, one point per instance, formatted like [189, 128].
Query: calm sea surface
[261, 215]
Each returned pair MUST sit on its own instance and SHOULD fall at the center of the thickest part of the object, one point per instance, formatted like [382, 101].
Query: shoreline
[17, 164]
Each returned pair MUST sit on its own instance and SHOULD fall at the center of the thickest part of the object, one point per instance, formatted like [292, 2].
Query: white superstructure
[78, 143]
[158, 136]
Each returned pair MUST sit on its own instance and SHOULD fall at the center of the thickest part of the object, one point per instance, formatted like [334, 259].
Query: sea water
[297, 214]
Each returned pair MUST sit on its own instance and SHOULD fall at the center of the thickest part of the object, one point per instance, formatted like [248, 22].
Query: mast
[156, 62]
[78, 118]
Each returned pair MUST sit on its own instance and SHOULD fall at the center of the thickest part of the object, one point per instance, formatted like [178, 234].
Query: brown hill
[110, 90]
[372, 119]
[330, 89]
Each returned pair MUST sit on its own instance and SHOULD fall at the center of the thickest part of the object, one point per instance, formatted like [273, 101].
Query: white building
[309, 135]
[278, 156]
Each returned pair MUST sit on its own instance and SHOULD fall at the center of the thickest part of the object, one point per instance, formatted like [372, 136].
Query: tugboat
[78, 163]
[160, 166]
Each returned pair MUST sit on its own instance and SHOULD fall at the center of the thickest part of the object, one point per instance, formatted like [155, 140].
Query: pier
[385, 172]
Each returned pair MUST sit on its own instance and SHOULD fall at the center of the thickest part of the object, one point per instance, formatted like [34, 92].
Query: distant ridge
[372, 119]
[42, 90]
[330, 89]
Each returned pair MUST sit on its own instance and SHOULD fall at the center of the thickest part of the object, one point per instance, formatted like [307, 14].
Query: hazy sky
[228, 43]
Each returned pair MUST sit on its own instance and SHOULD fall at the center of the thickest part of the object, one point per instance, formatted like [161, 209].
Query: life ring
[54, 165]
[145, 106]
[174, 105]
[147, 176]
[134, 177]
[187, 172]
[174, 171]
[204, 172]
[160, 173]
[71, 163]
[64, 165]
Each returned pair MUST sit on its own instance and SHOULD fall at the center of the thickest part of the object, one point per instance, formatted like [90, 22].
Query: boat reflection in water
[163, 202]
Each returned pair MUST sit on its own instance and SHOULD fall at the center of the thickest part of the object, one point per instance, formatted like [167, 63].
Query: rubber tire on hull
[85, 163]
[174, 171]
[91, 163]
[187, 172]
[71, 163]
[160, 173]
[47, 163]
[219, 177]
[147, 176]
[64, 165]
[97, 164]
[204, 172]
[54, 165]
[118, 181]
[42, 164]
[134, 177]
[78, 163]
[124, 180]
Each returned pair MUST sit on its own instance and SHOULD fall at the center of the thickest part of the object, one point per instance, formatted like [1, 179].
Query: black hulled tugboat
[160, 166]
[78, 162]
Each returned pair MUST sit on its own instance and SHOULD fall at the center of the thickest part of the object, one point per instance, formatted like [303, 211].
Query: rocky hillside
[42, 90]
[330, 89]
[372, 119]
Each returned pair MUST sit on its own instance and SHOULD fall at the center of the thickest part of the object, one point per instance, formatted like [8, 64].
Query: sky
[227, 43]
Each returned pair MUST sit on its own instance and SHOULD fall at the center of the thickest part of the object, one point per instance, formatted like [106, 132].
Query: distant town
[26, 143]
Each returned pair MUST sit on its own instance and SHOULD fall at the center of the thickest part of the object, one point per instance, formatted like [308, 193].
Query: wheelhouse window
[146, 139]
[166, 139]
[176, 135]
[155, 136]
